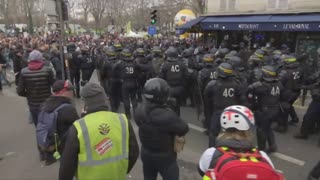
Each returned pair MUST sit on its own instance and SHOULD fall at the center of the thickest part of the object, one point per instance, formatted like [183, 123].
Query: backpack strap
[55, 111]
[215, 158]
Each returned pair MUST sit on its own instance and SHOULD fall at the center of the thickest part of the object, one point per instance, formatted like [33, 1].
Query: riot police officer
[74, 65]
[175, 73]
[208, 72]
[157, 60]
[311, 117]
[129, 77]
[145, 73]
[86, 65]
[106, 68]
[219, 94]
[254, 68]
[240, 70]
[115, 82]
[291, 76]
[266, 94]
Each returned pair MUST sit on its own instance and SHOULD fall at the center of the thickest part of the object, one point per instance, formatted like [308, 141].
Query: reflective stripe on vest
[89, 160]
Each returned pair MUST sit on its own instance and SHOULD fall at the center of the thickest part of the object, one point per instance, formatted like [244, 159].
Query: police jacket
[268, 94]
[290, 76]
[206, 75]
[35, 83]
[86, 62]
[128, 71]
[157, 127]
[174, 72]
[222, 93]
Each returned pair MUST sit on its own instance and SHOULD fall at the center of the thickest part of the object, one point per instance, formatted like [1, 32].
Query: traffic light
[65, 12]
[153, 17]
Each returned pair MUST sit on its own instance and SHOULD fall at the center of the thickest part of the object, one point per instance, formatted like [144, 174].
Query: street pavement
[21, 162]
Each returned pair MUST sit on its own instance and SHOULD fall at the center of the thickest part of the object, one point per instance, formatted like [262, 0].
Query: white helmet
[237, 117]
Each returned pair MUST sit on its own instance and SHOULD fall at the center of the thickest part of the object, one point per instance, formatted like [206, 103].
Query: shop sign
[296, 26]
[249, 26]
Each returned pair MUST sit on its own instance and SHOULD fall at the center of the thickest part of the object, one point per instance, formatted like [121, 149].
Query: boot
[280, 129]
[301, 136]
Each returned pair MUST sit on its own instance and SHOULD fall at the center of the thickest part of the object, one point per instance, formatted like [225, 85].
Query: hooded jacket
[66, 116]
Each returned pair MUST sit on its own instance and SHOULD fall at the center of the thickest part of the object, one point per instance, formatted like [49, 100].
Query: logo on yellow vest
[104, 129]
[104, 146]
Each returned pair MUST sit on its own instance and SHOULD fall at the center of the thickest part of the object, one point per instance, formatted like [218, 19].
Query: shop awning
[187, 26]
[292, 22]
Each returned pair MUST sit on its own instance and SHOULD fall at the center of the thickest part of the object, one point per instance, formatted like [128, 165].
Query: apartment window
[278, 4]
[223, 4]
[232, 4]
[227, 4]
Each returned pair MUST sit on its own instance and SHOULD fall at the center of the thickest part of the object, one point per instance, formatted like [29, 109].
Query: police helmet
[110, 52]
[225, 70]
[156, 90]
[156, 50]
[172, 54]
[255, 58]
[140, 52]
[223, 52]
[269, 73]
[140, 44]
[187, 53]
[213, 51]
[126, 54]
[118, 47]
[234, 61]
[207, 58]
[288, 59]
[277, 52]
[260, 53]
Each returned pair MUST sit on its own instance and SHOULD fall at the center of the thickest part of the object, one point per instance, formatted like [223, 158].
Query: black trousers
[129, 95]
[177, 92]
[264, 121]
[86, 75]
[215, 128]
[310, 118]
[75, 80]
[115, 95]
[163, 163]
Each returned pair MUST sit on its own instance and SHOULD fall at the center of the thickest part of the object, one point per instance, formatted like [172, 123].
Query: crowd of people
[235, 88]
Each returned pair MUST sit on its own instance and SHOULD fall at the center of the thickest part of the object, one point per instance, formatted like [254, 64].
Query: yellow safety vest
[104, 145]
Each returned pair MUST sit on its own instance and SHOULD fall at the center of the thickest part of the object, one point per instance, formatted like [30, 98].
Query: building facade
[261, 6]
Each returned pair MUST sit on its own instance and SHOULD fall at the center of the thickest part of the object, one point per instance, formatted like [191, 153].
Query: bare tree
[85, 5]
[97, 9]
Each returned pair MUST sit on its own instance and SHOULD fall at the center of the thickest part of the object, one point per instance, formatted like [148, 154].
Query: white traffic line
[277, 155]
[197, 128]
[289, 159]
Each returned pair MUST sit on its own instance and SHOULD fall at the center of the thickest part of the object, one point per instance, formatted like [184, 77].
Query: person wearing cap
[101, 145]
[62, 95]
[35, 83]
